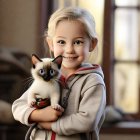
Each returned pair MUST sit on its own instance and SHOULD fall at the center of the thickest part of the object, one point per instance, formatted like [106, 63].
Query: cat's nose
[46, 77]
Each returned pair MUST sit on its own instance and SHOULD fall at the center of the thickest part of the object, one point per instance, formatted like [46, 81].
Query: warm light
[96, 7]
[126, 2]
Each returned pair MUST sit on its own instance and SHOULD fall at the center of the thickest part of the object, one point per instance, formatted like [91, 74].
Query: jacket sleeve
[89, 116]
[21, 110]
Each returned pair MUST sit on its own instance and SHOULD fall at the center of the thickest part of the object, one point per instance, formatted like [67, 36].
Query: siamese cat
[46, 74]
[45, 88]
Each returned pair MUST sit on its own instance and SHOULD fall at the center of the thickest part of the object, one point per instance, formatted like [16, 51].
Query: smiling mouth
[69, 58]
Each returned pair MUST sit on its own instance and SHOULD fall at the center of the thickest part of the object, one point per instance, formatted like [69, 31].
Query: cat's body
[40, 89]
[46, 73]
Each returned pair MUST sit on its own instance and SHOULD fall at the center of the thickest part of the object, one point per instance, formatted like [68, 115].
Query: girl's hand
[45, 125]
[46, 114]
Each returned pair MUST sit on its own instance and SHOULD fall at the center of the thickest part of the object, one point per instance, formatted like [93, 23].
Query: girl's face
[71, 41]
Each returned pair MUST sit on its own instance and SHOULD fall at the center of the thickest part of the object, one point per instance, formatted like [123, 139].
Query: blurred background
[22, 25]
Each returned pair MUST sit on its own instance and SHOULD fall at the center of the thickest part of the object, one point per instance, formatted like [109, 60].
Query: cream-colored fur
[44, 89]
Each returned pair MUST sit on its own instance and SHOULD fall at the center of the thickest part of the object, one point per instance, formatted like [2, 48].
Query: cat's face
[46, 69]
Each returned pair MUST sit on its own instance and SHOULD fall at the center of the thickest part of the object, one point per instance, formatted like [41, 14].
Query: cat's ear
[58, 61]
[35, 60]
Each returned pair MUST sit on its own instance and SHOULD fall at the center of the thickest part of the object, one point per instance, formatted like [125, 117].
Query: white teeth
[70, 58]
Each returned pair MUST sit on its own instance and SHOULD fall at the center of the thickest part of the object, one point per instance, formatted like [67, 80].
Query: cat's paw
[57, 107]
[32, 104]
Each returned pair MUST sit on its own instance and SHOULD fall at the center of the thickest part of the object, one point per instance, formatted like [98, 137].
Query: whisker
[27, 82]
[57, 80]
[24, 80]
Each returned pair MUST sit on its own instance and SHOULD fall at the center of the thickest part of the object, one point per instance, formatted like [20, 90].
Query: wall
[19, 20]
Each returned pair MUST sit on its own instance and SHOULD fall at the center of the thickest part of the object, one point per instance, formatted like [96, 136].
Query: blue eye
[42, 71]
[52, 72]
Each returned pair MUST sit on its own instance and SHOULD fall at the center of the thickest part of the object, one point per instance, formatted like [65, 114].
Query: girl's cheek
[58, 51]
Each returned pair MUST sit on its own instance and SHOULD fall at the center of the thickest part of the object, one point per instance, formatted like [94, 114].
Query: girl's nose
[69, 48]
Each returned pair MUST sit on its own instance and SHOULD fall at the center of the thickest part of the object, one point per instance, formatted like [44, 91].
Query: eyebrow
[60, 37]
[80, 37]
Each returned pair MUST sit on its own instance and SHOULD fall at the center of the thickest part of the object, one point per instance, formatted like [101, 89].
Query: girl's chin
[70, 66]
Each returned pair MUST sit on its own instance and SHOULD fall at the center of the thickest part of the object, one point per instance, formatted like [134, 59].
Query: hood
[89, 68]
[84, 69]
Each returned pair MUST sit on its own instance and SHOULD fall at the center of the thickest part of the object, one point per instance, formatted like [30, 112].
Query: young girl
[71, 34]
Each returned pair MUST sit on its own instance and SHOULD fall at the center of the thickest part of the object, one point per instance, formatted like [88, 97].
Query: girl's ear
[93, 44]
[50, 43]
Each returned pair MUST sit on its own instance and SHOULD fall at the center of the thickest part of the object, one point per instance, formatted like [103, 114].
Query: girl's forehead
[73, 27]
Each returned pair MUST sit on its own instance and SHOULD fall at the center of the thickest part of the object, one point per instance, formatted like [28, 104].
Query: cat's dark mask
[47, 71]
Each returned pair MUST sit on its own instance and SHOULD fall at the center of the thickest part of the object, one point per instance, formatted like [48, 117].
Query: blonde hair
[72, 13]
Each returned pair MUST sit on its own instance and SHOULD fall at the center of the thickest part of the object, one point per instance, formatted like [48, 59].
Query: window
[121, 57]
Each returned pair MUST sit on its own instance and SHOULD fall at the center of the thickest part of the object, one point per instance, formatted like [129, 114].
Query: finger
[61, 109]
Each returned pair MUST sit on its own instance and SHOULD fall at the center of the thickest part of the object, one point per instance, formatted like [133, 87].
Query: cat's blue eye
[52, 72]
[42, 71]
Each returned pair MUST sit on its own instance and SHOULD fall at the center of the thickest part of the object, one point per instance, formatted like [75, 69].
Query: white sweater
[85, 110]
